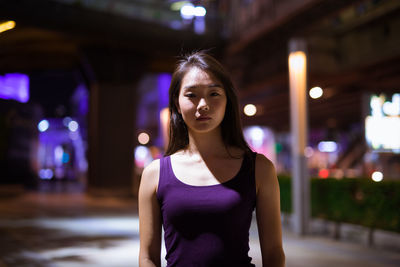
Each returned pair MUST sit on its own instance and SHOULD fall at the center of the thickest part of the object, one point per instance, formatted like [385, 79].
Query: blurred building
[352, 55]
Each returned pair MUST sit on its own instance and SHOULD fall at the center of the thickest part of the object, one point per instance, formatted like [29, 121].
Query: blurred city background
[83, 109]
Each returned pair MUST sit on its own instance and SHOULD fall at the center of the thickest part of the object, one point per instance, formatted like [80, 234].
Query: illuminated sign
[15, 86]
[382, 126]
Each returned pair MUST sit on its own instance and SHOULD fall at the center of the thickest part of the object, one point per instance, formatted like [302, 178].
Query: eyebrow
[213, 85]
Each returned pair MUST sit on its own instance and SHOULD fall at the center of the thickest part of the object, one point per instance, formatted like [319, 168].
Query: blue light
[141, 152]
[327, 146]
[73, 126]
[65, 158]
[66, 121]
[43, 125]
[187, 11]
[199, 11]
[46, 174]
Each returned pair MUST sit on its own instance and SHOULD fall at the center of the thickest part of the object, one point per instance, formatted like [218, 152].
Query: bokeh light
[73, 126]
[176, 6]
[8, 25]
[308, 152]
[250, 110]
[66, 121]
[323, 173]
[43, 125]
[143, 138]
[316, 92]
[377, 176]
[257, 135]
[46, 174]
[187, 11]
[200, 11]
[327, 146]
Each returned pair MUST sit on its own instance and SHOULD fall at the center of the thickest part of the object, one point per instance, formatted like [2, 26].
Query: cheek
[181, 104]
[185, 105]
[222, 105]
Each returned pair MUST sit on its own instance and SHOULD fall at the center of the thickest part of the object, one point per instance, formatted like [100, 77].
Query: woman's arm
[149, 217]
[268, 213]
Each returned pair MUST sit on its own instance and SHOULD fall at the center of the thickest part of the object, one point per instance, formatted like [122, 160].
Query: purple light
[164, 80]
[15, 86]
[81, 99]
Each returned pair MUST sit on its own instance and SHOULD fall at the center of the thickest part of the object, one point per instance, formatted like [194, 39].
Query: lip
[203, 118]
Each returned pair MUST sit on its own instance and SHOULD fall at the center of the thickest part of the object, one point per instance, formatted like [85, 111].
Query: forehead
[196, 76]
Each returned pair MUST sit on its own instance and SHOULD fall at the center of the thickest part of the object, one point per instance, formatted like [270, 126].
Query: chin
[204, 129]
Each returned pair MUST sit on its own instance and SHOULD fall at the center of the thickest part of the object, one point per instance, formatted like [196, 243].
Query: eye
[190, 95]
[215, 94]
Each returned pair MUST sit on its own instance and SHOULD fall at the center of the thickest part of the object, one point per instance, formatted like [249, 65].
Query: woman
[203, 192]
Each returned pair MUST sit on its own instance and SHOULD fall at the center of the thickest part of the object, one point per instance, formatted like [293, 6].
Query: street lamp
[298, 123]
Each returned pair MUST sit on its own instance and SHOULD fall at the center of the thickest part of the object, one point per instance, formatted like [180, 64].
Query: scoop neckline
[211, 185]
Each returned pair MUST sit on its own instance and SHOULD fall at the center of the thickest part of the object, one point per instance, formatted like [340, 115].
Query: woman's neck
[207, 144]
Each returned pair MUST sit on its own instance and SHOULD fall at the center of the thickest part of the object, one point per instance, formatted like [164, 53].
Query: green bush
[358, 201]
[286, 195]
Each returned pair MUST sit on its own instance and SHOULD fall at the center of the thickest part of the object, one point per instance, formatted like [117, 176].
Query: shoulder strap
[163, 175]
[163, 166]
[252, 165]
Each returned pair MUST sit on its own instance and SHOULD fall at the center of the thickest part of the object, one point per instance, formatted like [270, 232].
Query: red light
[323, 173]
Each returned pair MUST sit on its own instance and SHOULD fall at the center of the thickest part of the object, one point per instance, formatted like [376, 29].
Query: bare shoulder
[264, 165]
[153, 168]
[265, 172]
[150, 175]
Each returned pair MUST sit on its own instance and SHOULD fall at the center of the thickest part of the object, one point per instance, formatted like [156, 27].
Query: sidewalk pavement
[73, 229]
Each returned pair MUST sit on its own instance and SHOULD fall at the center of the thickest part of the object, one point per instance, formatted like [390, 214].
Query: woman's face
[201, 101]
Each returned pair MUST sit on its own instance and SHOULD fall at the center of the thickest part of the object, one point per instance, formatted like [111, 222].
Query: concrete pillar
[298, 123]
[112, 132]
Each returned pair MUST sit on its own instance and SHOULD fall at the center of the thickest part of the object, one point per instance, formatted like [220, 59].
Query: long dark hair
[231, 128]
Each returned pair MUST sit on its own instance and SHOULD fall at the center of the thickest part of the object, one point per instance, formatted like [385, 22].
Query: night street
[72, 229]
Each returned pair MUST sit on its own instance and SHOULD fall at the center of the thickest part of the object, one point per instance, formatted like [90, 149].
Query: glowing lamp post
[298, 123]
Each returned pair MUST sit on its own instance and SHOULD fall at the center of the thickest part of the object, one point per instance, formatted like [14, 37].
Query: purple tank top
[207, 226]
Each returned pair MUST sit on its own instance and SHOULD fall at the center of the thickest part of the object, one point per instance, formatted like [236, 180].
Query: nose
[203, 105]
